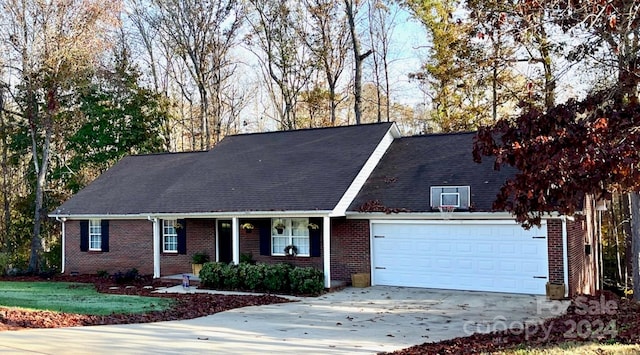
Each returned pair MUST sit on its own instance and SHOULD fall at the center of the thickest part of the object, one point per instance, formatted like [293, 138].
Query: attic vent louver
[457, 196]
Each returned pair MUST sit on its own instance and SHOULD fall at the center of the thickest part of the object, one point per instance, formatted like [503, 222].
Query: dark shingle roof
[300, 170]
[403, 178]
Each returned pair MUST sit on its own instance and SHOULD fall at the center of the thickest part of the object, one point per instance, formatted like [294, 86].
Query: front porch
[227, 239]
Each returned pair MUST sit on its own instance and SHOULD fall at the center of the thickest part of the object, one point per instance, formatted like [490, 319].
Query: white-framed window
[95, 235]
[290, 231]
[169, 236]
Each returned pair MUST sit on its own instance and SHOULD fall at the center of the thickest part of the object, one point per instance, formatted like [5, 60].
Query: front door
[225, 251]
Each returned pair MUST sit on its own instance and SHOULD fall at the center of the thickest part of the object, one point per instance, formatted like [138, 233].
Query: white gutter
[565, 256]
[239, 214]
[437, 216]
[430, 215]
[356, 185]
[452, 222]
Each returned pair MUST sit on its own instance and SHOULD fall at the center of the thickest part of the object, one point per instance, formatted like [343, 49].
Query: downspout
[565, 256]
[156, 247]
[62, 241]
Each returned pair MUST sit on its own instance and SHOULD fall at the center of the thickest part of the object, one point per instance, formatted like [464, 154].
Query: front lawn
[75, 298]
[72, 301]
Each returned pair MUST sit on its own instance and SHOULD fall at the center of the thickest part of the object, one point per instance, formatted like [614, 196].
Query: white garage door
[460, 255]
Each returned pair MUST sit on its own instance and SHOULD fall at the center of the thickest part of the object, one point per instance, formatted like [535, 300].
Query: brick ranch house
[354, 199]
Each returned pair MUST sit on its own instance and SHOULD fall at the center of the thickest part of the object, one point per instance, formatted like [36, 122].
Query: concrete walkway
[351, 321]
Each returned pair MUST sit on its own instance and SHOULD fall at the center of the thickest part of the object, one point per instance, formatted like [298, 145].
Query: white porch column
[156, 248]
[63, 242]
[235, 240]
[326, 250]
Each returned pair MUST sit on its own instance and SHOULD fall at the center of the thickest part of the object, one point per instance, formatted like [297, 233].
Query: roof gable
[412, 165]
[304, 170]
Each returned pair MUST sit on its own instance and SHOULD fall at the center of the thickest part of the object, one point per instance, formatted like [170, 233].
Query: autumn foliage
[573, 149]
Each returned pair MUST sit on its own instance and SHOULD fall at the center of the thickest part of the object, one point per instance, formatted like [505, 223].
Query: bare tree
[327, 40]
[287, 65]
[381, 26]
[202, 34]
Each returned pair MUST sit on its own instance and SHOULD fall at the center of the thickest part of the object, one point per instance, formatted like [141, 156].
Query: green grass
[74, 298]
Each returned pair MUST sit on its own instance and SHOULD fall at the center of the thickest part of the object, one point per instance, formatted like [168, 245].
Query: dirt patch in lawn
[187, 306]
[604, 318]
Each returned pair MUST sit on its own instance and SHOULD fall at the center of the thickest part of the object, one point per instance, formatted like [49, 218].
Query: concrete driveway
[351, 321]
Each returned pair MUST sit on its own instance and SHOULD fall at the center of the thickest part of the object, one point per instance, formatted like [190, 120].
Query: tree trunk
[358, 59]
[6, 199]
[204, 114]
[334, 103]
[635, 243]
[36, 239]
[547, 62]
[615, 223]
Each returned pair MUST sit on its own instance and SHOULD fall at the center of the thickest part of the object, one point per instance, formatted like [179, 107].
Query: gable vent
[457, 196]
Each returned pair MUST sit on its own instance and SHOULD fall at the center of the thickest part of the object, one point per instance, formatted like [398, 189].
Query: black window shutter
[104, 230]
[84, 235]
[315, 240]
[182, 236]
[265, 237]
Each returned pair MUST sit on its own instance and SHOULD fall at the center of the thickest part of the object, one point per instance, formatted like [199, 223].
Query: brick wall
[131, 246]
[350, 248]
[250, 243]
[200, 238]
[582, 271]
[555, 250]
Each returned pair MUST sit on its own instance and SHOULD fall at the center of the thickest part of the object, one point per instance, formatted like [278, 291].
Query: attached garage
[495, 256]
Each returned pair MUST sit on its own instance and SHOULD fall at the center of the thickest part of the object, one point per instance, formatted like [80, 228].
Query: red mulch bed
[187, 306]
[588, 319]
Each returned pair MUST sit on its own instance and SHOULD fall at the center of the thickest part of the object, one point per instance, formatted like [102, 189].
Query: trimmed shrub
[211, 275]
[127, 276]
[254, 277]
[230, 277]
[272, 278]
[276, 278]
[306, 281]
